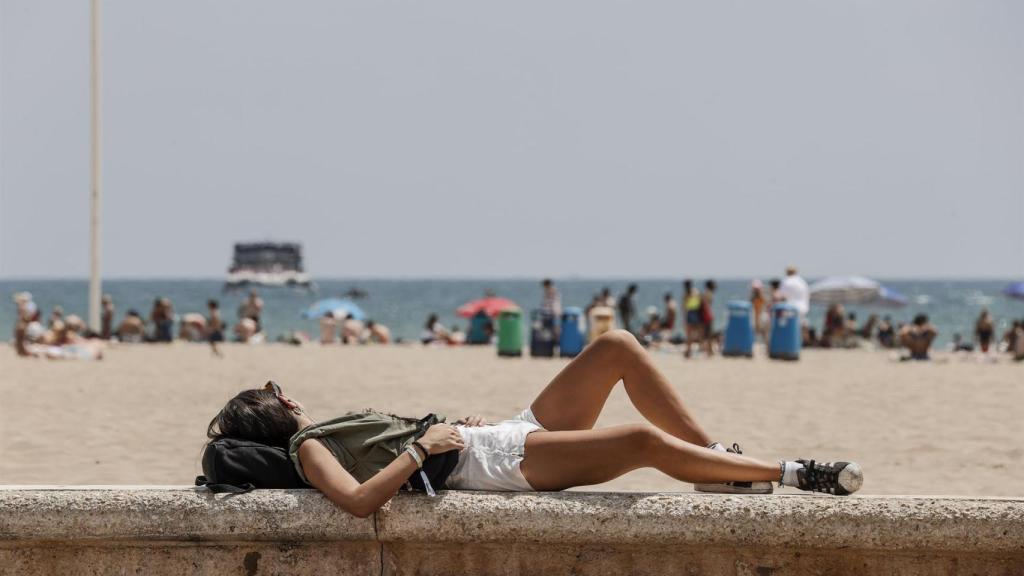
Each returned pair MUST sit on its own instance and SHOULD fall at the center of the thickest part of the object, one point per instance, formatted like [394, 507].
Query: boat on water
[268, 264]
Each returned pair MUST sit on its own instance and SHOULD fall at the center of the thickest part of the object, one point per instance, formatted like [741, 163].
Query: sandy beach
[139, 416]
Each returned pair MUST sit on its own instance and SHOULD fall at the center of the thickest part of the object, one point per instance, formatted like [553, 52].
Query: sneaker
[839, 478]
[733, 487]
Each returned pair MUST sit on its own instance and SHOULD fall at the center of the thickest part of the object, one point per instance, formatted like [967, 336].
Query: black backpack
[238, 466]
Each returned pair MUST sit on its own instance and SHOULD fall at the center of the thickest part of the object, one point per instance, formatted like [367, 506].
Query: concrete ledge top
[33, 513]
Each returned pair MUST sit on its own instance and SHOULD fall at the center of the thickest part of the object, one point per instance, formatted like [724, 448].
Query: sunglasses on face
[272, 386]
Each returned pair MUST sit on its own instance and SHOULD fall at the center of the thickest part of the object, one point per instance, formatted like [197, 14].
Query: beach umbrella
[339, 306]
[890, 297]
[1015, 290]
[845, 290]
[491, 305]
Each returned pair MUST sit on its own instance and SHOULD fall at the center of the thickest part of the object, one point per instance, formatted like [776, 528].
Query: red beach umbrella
[491, 305]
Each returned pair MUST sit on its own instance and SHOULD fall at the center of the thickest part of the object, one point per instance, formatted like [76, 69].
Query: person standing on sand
[627, 307]
[214, 326]
[693, 319]
[668, 321]
[758, 306]
[552, 301]
[106, 317]
[984, 330]
[708, 316]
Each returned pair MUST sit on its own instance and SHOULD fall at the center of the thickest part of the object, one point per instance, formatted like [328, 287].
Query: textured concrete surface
[143, 530]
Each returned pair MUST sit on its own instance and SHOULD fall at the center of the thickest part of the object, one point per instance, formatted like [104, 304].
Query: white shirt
[796, 292]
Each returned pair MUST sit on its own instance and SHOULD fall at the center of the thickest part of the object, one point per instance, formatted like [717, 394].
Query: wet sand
[140, 415]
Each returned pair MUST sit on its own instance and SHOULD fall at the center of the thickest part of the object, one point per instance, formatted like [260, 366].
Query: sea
[404, 305]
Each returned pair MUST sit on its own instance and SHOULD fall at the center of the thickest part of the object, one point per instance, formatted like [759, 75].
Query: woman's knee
[620, 341]
[642, 439]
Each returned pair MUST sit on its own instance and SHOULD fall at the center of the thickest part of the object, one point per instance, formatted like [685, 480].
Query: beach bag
[238, 466]
[367, 441]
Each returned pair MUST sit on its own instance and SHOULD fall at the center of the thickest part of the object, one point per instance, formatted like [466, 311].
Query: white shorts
[492, 455]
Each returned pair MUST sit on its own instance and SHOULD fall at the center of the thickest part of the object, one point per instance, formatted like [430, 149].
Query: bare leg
[574, 399]
[560, 460]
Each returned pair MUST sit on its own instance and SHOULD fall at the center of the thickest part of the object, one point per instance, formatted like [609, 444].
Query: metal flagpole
[95, 288]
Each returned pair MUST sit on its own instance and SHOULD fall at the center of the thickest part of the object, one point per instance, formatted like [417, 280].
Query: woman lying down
[552, 445]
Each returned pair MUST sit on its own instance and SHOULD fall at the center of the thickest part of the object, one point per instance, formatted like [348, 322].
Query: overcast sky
[525, 138]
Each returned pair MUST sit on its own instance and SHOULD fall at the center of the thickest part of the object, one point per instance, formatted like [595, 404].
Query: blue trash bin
[542, 334]
[785, 335]
[739, 332]
[572, 339]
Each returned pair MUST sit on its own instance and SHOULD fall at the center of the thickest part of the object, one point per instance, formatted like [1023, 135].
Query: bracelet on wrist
[415, 456]
[424, 450]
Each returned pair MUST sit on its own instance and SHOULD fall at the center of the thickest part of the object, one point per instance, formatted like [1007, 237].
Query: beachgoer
[707, 300]
[960, 346]
[606, 297]
[759, 308]
[162, 316]
[106, 317]
[328, 328]
[918, 337]
[627, 307]
[650, 331]
[192, 327]
[379, 333]
[886, 333]
[352, 330]
[694, 319]
[252, 308]
[552, 445]
[214, 326]
[552, 301]
[1018, 342]
[456, 336]
[1010, 336]
[56, 315]
[434, 331]
[132, 328]
[867, 331]
[795, 290]
[984, 330]
[776, 293]
[668, 321]
[247, 331]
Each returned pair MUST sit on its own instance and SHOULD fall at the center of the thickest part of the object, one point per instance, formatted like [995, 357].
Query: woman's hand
[441, 438]
[474, 420]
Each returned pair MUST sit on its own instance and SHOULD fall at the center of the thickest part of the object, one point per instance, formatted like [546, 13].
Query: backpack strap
[224, 488]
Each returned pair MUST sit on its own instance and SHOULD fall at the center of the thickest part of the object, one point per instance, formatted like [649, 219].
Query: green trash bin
[510, 332]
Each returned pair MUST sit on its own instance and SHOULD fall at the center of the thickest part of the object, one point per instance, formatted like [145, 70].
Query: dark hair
[710, 285]
[546, 282]
[688, 285]
[256, 415]
[430, 321]
[775, 282]
[921, 319]
[631, 288]
[212, 304]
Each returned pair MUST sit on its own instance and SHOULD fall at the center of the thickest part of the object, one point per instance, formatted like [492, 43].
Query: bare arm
[328, 476]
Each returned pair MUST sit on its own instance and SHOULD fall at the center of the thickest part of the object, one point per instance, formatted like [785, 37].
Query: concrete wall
[153, 530]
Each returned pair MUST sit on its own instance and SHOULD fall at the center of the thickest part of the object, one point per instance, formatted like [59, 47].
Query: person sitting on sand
[352, 330]
[378, 333]
[132, 328]
[886, 333]
[917, 338]
[328, 328]
[434, 331]
[552, 445]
